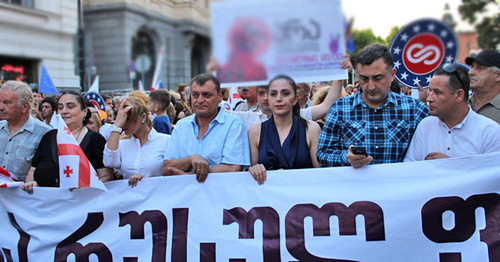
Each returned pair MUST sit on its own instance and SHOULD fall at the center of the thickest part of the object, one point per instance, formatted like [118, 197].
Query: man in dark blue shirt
[376, 119]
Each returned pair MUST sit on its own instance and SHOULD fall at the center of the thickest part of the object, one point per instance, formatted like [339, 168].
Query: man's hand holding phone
[357, 156]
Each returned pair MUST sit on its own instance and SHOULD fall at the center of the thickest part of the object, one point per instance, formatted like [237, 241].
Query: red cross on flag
[75, 169]
[7, 179]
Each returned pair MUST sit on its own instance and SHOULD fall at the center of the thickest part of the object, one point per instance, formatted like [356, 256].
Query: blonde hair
[320, 95]
[138, 108]
[96, 117]
[140, 95]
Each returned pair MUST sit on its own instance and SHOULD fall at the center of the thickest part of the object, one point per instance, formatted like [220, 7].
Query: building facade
[128, 40]
[36, 32]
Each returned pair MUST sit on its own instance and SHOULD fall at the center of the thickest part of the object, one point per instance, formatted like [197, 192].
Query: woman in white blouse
[140, 153]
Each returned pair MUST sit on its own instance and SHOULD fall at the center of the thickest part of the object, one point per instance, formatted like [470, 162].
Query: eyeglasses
[452, 69]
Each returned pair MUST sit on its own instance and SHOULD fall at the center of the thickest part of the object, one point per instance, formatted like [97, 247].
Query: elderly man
[249, 93]
[453, 129]
[378, 120]
[485, 82]
[210, 140]
[19, 133]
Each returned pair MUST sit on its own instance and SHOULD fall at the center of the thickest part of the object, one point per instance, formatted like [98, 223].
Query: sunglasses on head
[452, 70]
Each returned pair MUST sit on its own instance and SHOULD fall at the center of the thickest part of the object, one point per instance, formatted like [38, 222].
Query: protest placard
[253, 41]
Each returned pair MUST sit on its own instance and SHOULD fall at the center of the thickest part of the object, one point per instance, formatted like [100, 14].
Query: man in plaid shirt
[381, 121]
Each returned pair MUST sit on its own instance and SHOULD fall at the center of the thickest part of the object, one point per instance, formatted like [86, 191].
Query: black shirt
[46, 159]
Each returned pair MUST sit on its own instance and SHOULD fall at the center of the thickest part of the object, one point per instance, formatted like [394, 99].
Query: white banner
[441, 210]
[255, 40]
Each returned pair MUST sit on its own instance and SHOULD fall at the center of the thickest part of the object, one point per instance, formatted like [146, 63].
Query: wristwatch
[119, 130]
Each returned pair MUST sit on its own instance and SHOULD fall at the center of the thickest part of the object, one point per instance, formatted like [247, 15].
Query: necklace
[78, 136]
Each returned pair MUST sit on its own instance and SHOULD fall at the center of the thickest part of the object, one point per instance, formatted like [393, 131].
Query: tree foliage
[363, 38]
[392, 34]
[488, 29]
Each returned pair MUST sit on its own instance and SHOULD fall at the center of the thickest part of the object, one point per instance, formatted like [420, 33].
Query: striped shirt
[384, 132]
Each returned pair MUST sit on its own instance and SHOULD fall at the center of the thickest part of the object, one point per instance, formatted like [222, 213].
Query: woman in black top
[286, 140]
[45, 164]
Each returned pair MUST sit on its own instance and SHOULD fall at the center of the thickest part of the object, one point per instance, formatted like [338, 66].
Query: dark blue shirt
[162, 124]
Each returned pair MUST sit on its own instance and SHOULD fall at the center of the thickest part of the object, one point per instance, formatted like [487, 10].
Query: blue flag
[46, 84]
[160, 84]
[350, 40]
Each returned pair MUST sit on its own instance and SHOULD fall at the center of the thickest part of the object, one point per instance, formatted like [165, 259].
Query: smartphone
[358, 150]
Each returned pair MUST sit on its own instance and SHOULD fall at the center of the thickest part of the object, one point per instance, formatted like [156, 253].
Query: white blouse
[130, 158]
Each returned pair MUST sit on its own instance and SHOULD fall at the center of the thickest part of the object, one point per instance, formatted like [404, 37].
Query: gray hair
[23, 92]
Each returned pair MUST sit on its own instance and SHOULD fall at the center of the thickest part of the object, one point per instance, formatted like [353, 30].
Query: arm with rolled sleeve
[173, 150]
[236, 150]
[173, 158]
[330, 151]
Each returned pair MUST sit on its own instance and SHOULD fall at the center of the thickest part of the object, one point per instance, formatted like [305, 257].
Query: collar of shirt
[391, 99]
[151, 134]
[220, 118]
[459, 125]
[28, 126]
[496, 101]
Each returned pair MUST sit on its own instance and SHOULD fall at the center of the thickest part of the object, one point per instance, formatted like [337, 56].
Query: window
[25, 3]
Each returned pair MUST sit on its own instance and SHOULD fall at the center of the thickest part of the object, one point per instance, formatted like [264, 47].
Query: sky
[382, 15]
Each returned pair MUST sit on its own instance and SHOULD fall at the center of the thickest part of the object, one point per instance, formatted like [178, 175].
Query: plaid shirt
[384, 132]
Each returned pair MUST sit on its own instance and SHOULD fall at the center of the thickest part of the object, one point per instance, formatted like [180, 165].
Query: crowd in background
[283, 125]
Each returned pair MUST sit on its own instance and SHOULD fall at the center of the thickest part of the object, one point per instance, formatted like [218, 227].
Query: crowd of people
[283, 125]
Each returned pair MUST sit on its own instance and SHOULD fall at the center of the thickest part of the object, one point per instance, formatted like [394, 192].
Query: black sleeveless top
[293, 154]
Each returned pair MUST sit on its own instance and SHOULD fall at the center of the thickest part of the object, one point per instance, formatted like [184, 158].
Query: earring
[142, 121]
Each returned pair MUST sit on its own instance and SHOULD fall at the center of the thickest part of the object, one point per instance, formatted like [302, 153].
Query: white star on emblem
[444, 33]
[404, 75]
[416, 29]
[397, 50]
[431, 27]
[449, 59]
[416, 81]
[450, 44]
[428, 79]
[397, 64]
[404, 37]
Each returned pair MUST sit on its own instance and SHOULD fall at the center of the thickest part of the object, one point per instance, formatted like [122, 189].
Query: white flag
[95, 85]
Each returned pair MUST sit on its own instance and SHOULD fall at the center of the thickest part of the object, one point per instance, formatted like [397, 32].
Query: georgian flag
[234, 97]
[75, 169]
[7, 179]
